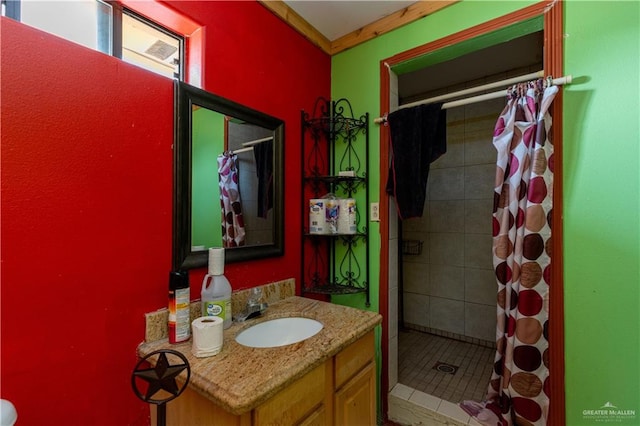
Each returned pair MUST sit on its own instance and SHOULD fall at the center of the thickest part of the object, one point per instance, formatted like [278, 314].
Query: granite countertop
[240, 378]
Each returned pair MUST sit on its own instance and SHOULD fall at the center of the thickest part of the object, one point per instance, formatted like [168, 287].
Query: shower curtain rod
[238, 151]
[257, 141]
[249, 145]
[479, 98]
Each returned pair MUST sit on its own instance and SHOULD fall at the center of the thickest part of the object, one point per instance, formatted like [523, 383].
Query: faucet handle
[255, 294]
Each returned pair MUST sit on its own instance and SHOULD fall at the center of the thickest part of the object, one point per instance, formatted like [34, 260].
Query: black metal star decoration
[160, 377]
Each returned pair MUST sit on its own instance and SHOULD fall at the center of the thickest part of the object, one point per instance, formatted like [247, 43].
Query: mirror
[224, 147]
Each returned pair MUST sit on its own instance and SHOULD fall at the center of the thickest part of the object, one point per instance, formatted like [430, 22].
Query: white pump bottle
[216, 290]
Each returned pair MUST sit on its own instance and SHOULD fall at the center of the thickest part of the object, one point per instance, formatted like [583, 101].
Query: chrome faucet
[254, 307]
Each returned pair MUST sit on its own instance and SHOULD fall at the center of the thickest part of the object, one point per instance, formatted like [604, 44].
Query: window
[86, 22]
[106, 27]
[151, 46]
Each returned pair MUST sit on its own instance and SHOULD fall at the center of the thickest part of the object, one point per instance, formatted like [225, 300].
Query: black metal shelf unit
[335, 159]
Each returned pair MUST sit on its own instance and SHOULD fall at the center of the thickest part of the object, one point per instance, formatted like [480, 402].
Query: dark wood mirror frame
[185, 96]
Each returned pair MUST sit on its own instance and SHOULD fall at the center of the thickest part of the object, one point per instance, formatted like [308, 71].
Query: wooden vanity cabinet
[318, 418]
[341, 392]
[355, 384]
[301, 400]
[355, 402]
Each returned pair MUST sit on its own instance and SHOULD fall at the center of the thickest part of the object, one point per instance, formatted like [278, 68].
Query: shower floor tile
[418, 352]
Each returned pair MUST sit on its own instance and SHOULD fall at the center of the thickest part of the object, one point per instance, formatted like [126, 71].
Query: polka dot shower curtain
[233, 232]
[518, 391]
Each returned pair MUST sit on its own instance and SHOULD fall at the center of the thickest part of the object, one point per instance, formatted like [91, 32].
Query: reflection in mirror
[229, 177]
[247, 219]
[253, 147]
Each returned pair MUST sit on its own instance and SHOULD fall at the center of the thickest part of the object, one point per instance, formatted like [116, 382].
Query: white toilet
[8, 413]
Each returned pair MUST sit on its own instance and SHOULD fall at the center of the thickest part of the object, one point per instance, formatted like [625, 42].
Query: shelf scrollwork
[335, 160]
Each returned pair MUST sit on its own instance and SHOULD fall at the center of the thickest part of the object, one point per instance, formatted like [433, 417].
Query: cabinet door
[317, 418]
[193, 409]
[352, 359]
[290, 405]
[355, 402]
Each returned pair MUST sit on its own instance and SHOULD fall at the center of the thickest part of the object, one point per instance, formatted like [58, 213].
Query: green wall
[355, 75]
[601, 183]
[207, 144]
[601, 204]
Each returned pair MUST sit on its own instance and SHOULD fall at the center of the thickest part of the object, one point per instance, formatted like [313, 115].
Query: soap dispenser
[216, 290]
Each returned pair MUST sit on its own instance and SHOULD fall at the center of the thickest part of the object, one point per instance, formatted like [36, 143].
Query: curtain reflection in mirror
[263, 154]
[253, 145]
[233, 231]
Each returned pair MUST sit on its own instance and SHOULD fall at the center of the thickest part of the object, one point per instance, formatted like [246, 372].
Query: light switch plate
[375, 212]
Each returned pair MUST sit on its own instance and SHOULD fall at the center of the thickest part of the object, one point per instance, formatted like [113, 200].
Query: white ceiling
[336, 18]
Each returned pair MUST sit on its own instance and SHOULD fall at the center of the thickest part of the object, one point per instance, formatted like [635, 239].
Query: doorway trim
[553, 65]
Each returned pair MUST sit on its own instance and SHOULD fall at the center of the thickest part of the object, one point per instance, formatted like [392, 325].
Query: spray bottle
[179, 298]
[216, 290]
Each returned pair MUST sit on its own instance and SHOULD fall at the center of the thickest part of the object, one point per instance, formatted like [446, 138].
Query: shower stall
[448, 289]
[443, 292]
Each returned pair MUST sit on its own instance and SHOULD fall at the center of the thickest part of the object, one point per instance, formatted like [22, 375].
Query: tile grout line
[469, 377]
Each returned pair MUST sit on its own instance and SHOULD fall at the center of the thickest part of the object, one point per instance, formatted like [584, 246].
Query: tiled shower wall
[450, 287]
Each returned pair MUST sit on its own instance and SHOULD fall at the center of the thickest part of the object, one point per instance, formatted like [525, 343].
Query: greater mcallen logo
[609, 413]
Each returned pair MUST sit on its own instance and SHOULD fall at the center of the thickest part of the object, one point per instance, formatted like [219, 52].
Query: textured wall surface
[87, 166]
[601, 182]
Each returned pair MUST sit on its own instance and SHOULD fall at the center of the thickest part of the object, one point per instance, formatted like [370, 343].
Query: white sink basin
[279, 332]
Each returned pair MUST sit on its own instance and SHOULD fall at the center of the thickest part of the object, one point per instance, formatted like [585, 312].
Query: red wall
[86, 180]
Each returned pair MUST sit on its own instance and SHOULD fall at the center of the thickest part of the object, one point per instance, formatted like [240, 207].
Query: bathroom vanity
[326, 379]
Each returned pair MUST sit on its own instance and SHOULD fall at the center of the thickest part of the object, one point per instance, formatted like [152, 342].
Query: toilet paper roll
[332, 213]
[207, 336]
[317, 221]
[347, 217]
